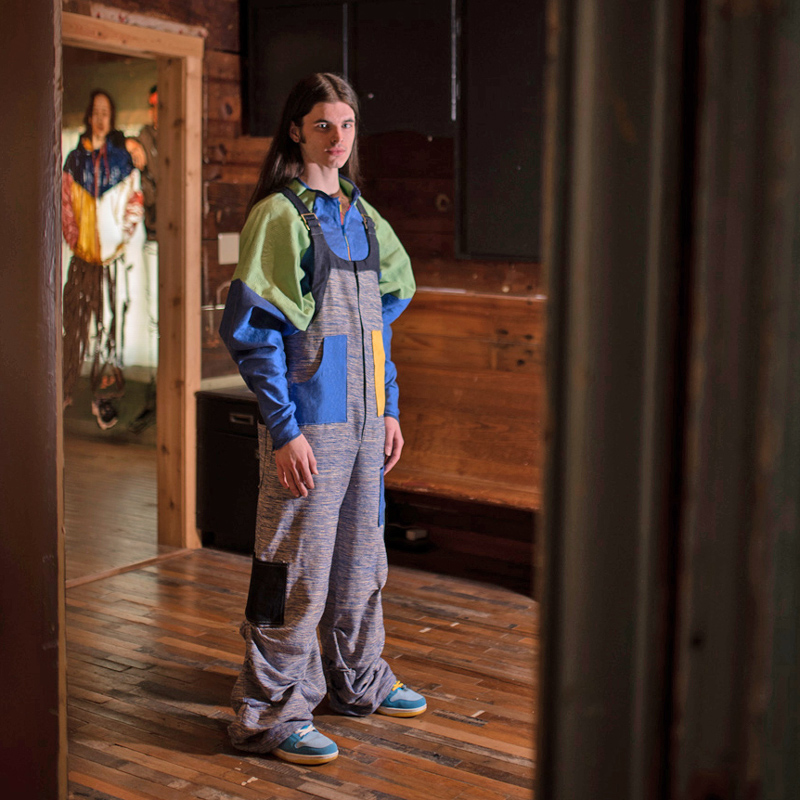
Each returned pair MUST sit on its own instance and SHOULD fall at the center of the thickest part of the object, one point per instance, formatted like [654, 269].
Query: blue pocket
[323, 397]
[381, 503]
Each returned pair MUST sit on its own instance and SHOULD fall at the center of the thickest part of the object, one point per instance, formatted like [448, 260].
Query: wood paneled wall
[33, 730]
[471, 384]
[231, 163]
[410, 178]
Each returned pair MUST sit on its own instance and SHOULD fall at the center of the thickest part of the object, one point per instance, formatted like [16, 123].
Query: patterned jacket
[101, 200]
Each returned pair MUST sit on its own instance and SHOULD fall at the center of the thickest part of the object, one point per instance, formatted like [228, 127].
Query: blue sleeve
[392, 307]
[253, 330]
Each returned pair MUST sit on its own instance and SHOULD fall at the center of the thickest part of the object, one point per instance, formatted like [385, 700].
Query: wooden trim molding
[180, 99]
[79, 30]
[180, 67]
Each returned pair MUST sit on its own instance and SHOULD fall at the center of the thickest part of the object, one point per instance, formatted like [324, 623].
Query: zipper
[363, 346]
[344, 230]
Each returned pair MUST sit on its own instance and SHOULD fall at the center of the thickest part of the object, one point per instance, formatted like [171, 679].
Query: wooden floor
[153, 651]
[109, 507]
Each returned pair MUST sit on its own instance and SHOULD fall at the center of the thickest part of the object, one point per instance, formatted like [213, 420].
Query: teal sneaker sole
[307, 760]
[401, 712]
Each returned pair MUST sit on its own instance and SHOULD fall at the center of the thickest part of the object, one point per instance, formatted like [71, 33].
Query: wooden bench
[471, 396]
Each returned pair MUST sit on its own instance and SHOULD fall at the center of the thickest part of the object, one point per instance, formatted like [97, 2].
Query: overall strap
[318, 274]
[368, 222]
[372, 261]
[309, 217]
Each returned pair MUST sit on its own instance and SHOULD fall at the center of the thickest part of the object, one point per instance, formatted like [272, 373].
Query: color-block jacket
[271, 292]
[101, 200]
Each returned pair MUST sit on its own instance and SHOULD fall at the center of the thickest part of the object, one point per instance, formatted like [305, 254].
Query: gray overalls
[320, 561]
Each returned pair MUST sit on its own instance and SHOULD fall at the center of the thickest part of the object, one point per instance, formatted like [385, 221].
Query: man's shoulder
[370, 209]
[147, 135]
[275, 219]
[276, 207]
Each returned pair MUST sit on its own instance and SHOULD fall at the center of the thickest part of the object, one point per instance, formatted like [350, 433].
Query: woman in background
[101, 204]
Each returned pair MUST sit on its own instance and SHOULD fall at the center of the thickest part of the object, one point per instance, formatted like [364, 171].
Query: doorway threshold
[110, 573]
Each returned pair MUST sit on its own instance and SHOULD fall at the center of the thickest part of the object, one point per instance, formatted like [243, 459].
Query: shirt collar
[348, 187]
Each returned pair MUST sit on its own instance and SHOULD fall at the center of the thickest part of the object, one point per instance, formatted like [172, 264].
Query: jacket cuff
[284, 433]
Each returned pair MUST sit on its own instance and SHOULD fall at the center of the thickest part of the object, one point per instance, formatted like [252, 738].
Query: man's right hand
[296, 464]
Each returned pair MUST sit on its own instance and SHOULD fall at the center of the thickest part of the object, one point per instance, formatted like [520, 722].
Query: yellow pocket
[379, 356]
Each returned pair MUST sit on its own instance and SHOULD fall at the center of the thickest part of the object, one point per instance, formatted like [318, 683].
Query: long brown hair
[284, 161]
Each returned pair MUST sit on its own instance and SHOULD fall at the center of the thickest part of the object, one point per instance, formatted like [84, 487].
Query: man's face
[100, 120]
[327, 134]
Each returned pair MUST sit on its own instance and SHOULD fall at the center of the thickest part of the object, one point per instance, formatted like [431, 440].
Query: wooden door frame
[180, 82]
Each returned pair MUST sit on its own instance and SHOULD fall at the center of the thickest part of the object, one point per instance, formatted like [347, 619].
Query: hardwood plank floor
[153, 653]
[109, 506]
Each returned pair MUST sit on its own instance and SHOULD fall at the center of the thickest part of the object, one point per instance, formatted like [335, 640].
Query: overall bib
[320, 562]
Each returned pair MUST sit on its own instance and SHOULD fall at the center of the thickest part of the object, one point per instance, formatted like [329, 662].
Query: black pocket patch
[266, 600]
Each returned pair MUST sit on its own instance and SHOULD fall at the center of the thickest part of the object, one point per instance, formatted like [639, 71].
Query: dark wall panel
[501, 128]
[401, 66]
[284, 44]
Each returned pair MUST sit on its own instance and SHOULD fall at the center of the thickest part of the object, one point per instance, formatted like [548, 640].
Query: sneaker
[402, 702]
[106, 413]
[307, 746]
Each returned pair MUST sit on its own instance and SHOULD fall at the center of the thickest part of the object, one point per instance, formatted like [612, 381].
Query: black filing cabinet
[227, 467]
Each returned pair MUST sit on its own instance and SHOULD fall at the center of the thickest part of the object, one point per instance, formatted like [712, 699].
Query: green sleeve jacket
[270, 295]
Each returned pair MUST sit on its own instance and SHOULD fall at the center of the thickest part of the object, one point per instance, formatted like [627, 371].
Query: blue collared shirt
[347, 239]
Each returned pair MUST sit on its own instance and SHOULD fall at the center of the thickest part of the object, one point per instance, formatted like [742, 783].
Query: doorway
[178, 67]
[111, 518]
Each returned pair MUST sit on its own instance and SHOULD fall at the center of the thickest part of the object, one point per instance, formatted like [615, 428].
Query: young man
[321, 276]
